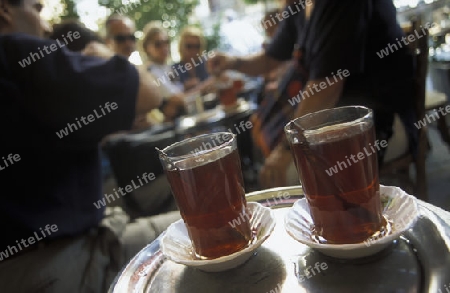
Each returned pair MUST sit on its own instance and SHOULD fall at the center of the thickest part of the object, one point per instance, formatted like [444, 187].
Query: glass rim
[202, 152]
[369, 112]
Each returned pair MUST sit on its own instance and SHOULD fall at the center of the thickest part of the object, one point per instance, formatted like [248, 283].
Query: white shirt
[162, 77]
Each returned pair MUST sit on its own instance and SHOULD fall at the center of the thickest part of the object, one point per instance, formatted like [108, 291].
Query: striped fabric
[275, 111]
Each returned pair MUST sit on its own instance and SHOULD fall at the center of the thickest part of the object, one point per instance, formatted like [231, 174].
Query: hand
[177, 100]
[191, 83]
[98, 50]
[274, 171]
[219, 63]
[209, 86]
[175, 105]
[271, 87]
[141, 122]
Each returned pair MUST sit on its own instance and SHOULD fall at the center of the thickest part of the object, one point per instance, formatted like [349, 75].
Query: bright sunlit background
[93, 15]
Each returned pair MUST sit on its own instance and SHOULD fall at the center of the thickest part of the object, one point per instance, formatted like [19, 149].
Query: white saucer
[176, 244]
[400, 209]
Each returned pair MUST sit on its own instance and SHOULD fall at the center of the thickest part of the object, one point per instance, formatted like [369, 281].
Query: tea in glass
[336, 159]
[205, 176]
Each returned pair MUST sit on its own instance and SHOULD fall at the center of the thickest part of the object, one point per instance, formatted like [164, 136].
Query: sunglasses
[192, 46]
[159, 44]
[124, 38]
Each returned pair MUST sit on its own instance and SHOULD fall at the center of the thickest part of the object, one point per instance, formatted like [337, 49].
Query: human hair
[191, 31]
[77, 45]
[112, 18]
[151, 30]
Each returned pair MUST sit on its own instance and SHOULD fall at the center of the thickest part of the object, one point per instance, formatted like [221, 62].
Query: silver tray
[419, 261]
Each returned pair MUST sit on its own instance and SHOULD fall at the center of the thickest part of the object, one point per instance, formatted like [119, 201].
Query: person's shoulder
[20, 38]
[18, 43]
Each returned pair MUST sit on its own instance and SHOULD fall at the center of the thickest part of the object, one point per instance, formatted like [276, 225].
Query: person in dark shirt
[55, 107]
[77, 45]
[338, 40]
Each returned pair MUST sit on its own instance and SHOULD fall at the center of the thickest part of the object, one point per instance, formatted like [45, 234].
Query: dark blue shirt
[349, 35]
[58, 177]
[199, 69]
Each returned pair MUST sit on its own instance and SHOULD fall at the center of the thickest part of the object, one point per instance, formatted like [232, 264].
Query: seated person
[119, 34]
[54, 237]
[86, 36]
[151, 198]
[193, 57]
[156, 45]
[77, 45]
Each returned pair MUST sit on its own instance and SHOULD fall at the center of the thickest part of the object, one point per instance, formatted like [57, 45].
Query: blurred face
[121, 37]
[159, 48]
[190, 48]
[24, 18]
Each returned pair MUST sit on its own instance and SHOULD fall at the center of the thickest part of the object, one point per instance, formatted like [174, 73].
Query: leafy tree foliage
[173, 13]
[70, 11]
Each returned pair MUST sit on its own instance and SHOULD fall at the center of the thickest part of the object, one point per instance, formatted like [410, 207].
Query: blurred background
[224, 21]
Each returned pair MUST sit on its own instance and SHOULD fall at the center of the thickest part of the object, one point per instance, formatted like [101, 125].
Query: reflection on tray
[419, 261]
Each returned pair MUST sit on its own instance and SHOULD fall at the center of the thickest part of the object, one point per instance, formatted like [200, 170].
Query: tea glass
[204, 173]
[335, 154]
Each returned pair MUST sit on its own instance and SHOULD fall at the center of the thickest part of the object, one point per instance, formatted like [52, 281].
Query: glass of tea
[227, 93]
[335, 153]
[205, 176]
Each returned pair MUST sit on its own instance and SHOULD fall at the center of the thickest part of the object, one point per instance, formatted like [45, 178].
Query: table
[216, 118]
[419, 261]
[235, 120]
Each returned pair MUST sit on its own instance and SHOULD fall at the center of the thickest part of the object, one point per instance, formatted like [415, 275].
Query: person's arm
[274, 170]
[87, 96]
[254, 65]
[148, 97]
[279, 50]
[326, 98]
[339, 45]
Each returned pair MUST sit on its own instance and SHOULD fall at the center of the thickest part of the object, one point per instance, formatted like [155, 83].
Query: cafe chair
[433, 101]
[400, 165]
[131, 156]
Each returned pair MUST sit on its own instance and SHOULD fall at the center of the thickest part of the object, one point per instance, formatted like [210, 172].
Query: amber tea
[209, 191]
[342, 192]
